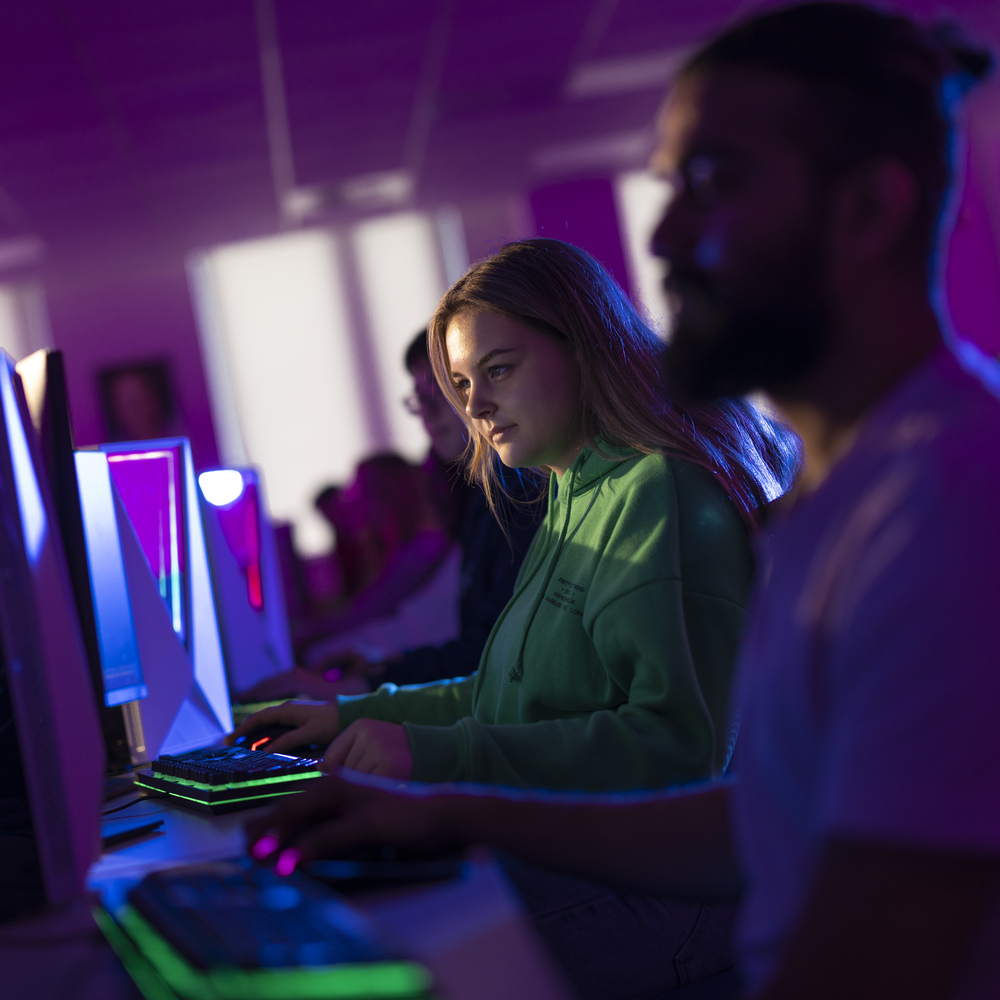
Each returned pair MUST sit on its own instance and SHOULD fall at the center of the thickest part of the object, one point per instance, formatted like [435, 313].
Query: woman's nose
[479, 403]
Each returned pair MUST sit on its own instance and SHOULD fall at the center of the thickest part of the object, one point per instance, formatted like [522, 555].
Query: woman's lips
[498, 433]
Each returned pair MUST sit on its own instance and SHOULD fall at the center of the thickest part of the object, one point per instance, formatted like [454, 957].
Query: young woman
[610, 666]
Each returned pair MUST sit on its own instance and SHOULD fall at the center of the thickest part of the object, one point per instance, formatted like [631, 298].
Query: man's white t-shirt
[870, 681]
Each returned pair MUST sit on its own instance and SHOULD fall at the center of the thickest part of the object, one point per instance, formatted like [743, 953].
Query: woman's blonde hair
[563, 292]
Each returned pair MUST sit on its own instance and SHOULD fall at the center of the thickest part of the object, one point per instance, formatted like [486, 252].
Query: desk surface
[186, 837]
[470, 933]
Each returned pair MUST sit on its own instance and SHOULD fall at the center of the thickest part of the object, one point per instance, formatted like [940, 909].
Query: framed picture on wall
[138, 401]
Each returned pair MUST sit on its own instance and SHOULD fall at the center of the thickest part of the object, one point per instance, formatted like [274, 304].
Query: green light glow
[219, 802]
[235, 784]
[375, 980]
[151, 986]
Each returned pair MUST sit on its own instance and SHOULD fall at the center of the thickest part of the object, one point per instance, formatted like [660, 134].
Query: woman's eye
[498, 371]
[461, 386]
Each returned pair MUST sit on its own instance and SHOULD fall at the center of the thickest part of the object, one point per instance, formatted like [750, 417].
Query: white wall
[303, 338]
[641, 198]
[24, 323]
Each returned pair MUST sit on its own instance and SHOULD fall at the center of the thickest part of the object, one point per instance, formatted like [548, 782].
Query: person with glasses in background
[492, 547]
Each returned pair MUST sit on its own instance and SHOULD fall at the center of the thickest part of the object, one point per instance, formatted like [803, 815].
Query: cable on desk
[138, 798]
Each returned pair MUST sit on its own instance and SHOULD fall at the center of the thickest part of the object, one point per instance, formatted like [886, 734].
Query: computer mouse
[375, 867]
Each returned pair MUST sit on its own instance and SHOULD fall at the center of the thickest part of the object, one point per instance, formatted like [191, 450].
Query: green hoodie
[610, 666]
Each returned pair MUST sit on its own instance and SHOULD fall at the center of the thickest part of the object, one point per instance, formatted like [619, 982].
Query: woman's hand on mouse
[314, 724]
[374, 747]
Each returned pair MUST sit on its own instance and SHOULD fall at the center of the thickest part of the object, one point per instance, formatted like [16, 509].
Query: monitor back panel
[246, 574]
[166, 563]
[43, 379]
[44, 661]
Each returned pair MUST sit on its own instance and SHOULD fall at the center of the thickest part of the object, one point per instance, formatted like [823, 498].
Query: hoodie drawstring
[566, 488]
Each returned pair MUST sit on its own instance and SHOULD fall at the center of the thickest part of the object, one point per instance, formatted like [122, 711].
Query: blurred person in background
[388, 521]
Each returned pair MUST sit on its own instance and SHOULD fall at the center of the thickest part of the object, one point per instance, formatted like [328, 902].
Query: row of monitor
[133, 604]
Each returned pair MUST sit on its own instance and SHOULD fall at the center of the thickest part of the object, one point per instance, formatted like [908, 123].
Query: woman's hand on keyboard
[374, 747]
[314, 725]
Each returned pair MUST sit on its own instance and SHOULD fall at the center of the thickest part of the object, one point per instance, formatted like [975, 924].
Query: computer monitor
[45, 671]
[246, 573]
[163, 544]
[121, 667]
[150, 480]
[110, 648]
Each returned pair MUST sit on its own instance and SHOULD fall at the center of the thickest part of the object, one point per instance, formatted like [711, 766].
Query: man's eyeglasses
[420, 402]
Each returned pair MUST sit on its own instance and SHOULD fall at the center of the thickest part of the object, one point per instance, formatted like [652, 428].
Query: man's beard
[726, 348]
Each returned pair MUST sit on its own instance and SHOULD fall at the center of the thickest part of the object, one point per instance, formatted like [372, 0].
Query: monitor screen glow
[120, 667]
[150, 482]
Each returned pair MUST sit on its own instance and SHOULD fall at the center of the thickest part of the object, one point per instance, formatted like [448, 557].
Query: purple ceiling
[121, 119]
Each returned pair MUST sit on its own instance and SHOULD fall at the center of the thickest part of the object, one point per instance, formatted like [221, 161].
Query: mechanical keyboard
[223, 779]
[233, 930]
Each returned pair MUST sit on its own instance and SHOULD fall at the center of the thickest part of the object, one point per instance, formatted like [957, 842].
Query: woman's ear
[873, 211]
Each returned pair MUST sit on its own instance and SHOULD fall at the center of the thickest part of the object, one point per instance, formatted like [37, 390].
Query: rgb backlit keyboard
[233, 931]
[223, 779]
